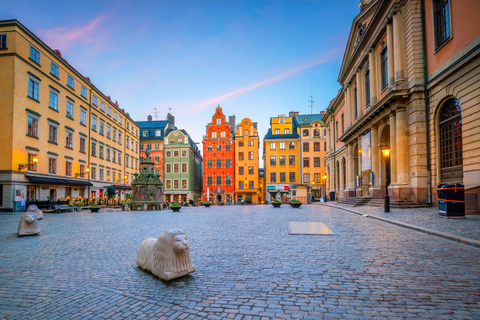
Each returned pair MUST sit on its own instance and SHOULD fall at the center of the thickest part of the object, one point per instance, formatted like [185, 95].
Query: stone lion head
[28, 224]
[171, 252]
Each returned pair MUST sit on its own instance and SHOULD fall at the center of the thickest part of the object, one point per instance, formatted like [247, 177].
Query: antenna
[311, 100]
[155, 112]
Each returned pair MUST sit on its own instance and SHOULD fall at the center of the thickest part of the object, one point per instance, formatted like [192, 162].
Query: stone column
[359, 142]
[373, 76]
[348, 111]
[393, 149]
[350, 175]
[402, 146]
[359, 92]
[352, 103]
[398, 46]
[391, 49]
[375, 157]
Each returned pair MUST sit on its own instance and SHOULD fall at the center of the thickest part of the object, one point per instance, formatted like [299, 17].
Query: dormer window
[145, 133]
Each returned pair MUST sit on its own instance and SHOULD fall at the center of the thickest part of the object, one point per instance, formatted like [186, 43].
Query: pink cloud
[63, 38]
[329, 56]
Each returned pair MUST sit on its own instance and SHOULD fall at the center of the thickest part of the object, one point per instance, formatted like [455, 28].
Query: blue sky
[257, 59]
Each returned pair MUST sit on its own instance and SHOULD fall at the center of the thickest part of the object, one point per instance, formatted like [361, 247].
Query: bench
[63, 207]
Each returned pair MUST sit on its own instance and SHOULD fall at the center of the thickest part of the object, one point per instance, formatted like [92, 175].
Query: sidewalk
[425, 220]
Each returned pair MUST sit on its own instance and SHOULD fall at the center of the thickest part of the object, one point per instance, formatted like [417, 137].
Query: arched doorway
[385, 165]
[338, 177]
[451, 147]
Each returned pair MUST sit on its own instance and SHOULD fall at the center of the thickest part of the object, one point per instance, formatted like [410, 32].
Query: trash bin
[451, 200]
[332, 196]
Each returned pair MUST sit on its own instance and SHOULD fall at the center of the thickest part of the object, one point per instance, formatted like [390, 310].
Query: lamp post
[29, 165]
[386, 155]
[324, 181]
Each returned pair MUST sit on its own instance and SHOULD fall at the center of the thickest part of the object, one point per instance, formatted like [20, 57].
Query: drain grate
[308, 228]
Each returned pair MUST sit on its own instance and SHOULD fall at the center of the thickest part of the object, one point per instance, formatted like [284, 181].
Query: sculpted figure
[28, 225]
[167, 257]
[38, 212]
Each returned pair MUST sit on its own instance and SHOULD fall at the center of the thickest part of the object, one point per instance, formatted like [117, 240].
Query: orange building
[219, 160]
[246, 163]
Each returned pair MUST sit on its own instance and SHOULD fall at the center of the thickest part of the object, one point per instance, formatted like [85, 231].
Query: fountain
[147, 187]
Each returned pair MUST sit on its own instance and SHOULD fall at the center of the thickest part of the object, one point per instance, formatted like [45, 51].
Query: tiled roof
[309, 118]
[152, 124]
[269, 135]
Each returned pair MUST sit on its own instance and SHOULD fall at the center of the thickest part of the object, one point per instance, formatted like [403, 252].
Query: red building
[219, 159]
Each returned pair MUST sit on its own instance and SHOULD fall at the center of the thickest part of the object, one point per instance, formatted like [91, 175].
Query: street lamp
[28, 165]
[324, 181]
[386, 155]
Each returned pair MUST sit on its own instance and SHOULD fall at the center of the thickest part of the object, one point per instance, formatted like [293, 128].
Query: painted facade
[53, 114]
[246, 163]
[219, 160]
[417, 102]
[182, 169]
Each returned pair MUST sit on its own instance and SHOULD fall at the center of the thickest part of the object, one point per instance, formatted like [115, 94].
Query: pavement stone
[248, 267]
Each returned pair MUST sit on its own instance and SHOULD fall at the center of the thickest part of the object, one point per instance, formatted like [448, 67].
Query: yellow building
[282, 157]
[60, 136]
[246, 163]
[313, 148]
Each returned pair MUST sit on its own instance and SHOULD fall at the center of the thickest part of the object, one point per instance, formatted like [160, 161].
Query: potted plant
[276, 203]
[175, 207]
[207, 204]
[94, 207]
[126, 205]
[295, 203]
[79, 205]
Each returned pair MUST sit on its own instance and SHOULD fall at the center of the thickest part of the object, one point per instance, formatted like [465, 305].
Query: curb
[444, 235]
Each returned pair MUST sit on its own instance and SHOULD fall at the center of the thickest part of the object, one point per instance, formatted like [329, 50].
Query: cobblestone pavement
[425, 217]
[248, 267]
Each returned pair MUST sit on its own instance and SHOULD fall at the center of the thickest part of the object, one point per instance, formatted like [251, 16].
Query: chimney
[291, 114]
[171, 121]
[322, 112]
[149, 118]
[231, 120]
[255, 125]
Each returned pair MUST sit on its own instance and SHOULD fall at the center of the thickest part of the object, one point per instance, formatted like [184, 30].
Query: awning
[122, 186]
[78, 183]
[46, 180]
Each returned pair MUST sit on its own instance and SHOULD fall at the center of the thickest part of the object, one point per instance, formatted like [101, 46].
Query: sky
[255, 58]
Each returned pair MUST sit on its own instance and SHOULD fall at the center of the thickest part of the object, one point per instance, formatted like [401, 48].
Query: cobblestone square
[248, 267]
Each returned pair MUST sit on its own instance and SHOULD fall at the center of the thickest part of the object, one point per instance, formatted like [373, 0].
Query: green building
[183, 165]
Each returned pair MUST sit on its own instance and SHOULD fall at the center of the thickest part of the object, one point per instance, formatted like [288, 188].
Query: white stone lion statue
[28, 225]
[38, 212]
[167, 257]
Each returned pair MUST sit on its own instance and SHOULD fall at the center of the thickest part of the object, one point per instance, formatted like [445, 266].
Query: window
[250, 185]
[145, 133]
[343, 125]
[282, 160]
[223, 134]
[291, 177]
[158, 133]
[218, 147]
[119, 157]
[451, 141]
[316, 162]
[336, 128]
[84, 92]
[128, 142]
[71, 82]
[240, 143]
[69, 140]
[306, 178]
[384, 68]
[291, 145]
[102, 171]
[209, 148]
[176, 168]
[157, 159]
[209, 163]
[94, 149]
[93, 173]
[227, 147]
[54, 69]
[276, 131]
[442, 22]
[120, 137]
[228, 163]
[219, 163]
[273, 160]
[209, 181]
[241, 170]
[251, 170]
[219, 181]
[82, 144]
[184, 167]
[34, 54]
[175, 153]
[94, 100]
[100, 151]
[102, 105]
[108, 154]
[273, 177]
[83, 117]
[94, 123]
[109, 111]
[228, 180]
[115, 115]
[240, 156]
[184, 183]
[70, 109]
[316, 132]
[32, 126]
[250, 155]
[114, 137]
[53, 100]
[306, 147]
[245, 132]
[367, 87]
[283, 177]
[240, 184]
[68, 168]
[281, 145]
[306, 162]
[120, 119]
[33, 88]
[305, 132]
[286, 131]
[291, 160]
[102, 127]
[52, 165]
[184, 153]
[218, 121]
[109, 130]
[214, 134]
[316, 146]
[250, 143]
[282, 119]
[32, 165]
[272, 146]
[114, 155]
[168, 184]
[168, 154]
[168, 168]
[316, 177]
[52, 133]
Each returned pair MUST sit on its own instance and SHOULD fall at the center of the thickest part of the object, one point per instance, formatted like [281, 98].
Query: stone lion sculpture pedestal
[38, 212]
[167, 257]
[28, 225]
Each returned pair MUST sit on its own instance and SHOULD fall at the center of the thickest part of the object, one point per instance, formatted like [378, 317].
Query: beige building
[61, 137]
[419, 103]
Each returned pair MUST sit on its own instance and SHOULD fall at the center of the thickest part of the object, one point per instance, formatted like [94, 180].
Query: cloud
[63, 38]
[329, 56]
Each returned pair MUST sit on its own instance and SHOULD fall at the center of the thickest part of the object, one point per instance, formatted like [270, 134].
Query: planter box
[276, 205]
[296, 205]
[207, 205]
[94, 209]
[175, 209]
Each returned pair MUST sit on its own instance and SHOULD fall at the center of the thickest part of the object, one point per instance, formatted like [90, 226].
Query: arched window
[451, 150]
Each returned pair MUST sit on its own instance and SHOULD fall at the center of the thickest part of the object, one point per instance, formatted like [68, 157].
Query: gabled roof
[309, 118]
[269, 135]
[152, 126]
